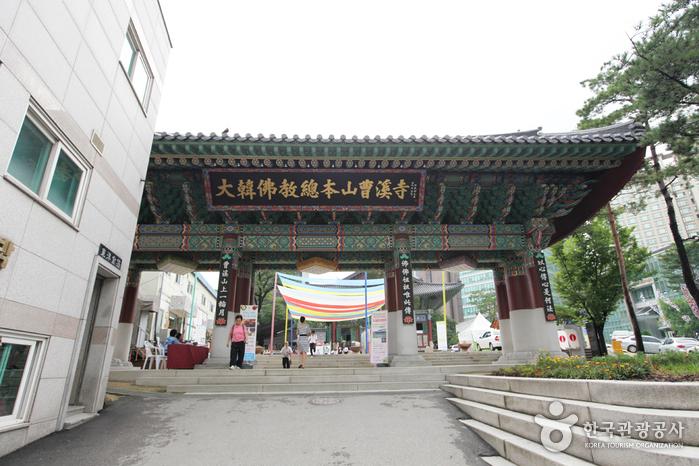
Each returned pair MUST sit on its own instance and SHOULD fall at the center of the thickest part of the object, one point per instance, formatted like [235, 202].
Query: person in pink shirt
[237, 338]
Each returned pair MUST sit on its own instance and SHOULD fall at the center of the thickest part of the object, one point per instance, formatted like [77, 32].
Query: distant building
[651, 225]
[474, 280]
[168, 301]
[80, 86]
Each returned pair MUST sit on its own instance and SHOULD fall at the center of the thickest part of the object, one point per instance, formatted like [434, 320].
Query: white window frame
[129, 69]
[60, 144]
[21, 412]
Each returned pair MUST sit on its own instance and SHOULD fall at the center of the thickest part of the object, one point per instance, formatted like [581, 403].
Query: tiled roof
[627, 131]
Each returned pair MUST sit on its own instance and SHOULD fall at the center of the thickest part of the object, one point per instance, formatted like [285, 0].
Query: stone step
[589, 412]
[611, 453]
[306, 387]
[521, 451]
[634, 394]
[75, 420]
[240, 379]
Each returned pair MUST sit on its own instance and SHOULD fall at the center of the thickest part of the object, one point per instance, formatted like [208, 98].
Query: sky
[384, 67]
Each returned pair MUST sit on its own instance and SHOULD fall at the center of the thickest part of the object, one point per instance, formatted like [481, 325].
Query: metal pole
[191, 311]
[274, 305]
[366, 316]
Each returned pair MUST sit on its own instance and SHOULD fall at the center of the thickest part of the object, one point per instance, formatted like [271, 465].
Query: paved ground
[377, 429]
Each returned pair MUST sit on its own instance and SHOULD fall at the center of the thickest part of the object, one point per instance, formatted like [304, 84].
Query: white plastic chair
[161, 352]
[152, 354]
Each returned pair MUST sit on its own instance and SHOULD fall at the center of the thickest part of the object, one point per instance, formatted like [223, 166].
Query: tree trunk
[625, 283]
[685, 266]
[599, 330]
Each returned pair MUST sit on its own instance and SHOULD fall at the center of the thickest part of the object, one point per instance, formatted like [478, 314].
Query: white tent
[472, 329]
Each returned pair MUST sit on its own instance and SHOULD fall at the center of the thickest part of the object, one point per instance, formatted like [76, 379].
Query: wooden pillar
[122, 343]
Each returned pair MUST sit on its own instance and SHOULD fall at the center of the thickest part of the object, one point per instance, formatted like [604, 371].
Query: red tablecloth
[185, 356]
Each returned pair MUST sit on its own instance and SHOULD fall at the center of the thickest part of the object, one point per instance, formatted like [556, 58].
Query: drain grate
[325, 401]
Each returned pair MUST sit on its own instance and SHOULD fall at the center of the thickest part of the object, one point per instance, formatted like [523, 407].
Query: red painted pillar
[535, 283]
[128, 305]
[429, 328]
[519, 293]
[390, 294]
[232, 293]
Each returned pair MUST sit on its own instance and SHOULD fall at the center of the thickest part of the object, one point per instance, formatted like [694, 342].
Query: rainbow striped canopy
[324, 300]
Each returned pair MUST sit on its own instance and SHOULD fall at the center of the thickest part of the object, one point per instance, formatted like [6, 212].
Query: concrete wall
[62, 57]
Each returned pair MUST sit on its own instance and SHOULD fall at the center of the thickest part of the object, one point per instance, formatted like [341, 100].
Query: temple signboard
[549, 311]
[314, 190]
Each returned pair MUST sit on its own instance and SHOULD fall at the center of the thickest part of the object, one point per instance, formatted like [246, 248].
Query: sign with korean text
[109, 256]
[406, 288]
[549, 311]
[224, 288]
[379, 337]
[442, 336]
[249, 313]
[316, 190]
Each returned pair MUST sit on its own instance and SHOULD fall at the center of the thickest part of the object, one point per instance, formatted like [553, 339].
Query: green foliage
[670, 263]
[264, 294]
[611, 367]
[676, 363]
[568, 315]
[485, 302]
[674, 317]
[452, 336]
[655, 82]
[588, 275]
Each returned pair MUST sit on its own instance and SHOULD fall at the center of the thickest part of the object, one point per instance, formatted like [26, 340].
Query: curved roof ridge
[626, 130]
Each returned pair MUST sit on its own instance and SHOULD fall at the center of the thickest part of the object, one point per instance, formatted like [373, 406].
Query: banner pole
[191, 311]
[444, 304]
[274, 305]
[366, 315]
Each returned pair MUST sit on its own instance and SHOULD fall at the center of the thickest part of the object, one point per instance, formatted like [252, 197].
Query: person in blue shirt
[171, 340]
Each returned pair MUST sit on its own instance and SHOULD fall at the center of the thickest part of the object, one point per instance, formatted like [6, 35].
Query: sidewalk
[375, 429]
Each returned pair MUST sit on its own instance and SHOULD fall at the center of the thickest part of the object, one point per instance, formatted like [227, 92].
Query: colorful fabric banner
[690, 300]
[324, 300]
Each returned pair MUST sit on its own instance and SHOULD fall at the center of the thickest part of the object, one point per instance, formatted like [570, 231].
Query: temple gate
[236, 204]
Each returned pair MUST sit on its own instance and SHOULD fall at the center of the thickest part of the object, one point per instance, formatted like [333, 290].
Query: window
[640, 243]
[659, 223]
[20, 359]
[652, 241]
[691, 226]
[657, 215]
[655, 207]
[136, 66]
[621, 222]
[203, 300]
[682, 203]
[650, 233]
[688, 219]
[49, 166]
[645, 218]
[632, 220]
[661, 231]
[664, 238]
[646, 225]
[686, 210]
[178, 278]
[680, 195]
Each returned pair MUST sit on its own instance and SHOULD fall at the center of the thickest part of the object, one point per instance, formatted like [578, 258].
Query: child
[286, 356]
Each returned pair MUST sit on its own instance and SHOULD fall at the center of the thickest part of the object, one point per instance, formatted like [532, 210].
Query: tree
[452, 336]
[670, 268]
[588, 275]
[264, 292]
[656, 84]
[678, 324]
[485, 302]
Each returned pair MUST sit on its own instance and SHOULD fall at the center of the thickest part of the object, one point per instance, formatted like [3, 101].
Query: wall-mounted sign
[224, 288]
[549, 310]
[109, 256]
[314, 190]
[406, 288]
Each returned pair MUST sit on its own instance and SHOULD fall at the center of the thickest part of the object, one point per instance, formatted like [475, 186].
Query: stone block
[555, 388]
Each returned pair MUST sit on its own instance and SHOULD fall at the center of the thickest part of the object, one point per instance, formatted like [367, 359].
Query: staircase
[502, 411]
[327, 373]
